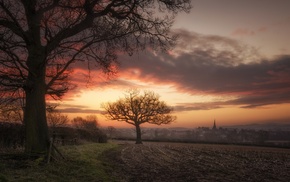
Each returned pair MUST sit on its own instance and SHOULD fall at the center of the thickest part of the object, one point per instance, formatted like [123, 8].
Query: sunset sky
[231, 63]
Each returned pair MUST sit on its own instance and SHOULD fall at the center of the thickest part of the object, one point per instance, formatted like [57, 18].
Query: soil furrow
[195, 162]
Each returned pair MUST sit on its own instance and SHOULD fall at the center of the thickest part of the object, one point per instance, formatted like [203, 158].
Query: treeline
[79, 130]
[207, 135]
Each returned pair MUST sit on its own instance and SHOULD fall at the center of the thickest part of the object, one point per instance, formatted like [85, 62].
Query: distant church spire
[214, 125]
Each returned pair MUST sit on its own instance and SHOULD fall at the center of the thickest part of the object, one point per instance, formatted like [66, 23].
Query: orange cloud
[248, 32]
[243, 32]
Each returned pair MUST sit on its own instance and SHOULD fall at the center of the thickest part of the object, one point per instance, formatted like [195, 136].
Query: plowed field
[199, 162]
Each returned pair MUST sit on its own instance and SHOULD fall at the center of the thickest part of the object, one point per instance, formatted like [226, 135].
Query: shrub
[11, 135]
[68, 135]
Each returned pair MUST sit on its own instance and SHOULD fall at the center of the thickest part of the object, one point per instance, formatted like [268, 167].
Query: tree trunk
[36, 129]
[138, 134]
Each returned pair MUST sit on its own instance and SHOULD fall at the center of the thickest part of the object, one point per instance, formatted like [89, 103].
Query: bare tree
[111, 131]
[41, 39]
[11, 107]
[89, 123]
[56, 119]
[11, 113]
[136, 109]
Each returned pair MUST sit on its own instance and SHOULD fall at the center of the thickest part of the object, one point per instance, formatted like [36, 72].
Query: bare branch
[136, 109]
[60, 33]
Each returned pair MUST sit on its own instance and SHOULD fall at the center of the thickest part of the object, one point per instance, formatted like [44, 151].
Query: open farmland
[199, 162]
[151, 162]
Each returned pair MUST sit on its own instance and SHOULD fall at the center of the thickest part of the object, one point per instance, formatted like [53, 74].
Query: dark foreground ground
[198, 162]
[164, 162]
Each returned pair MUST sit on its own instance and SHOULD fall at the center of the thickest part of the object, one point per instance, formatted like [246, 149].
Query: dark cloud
[244, 101]
[252, 101]
[211, 64]
[197, 106]
[80, 110]
[73, 108]
[215, 65]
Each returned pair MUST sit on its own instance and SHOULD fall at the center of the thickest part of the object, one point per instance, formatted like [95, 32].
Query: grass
[82, 163]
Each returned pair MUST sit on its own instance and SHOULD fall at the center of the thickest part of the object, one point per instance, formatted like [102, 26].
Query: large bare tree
[136, 109]
[41, 39]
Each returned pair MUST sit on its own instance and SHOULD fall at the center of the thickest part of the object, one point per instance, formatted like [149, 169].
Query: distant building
[214, 125]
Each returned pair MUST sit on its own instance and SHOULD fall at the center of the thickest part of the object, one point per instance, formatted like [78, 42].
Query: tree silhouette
[41, 39]
[56, 119]
[88, 123]
[136, 109]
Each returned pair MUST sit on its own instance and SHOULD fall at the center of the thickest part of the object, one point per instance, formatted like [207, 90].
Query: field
[199, 162]
[123, 161]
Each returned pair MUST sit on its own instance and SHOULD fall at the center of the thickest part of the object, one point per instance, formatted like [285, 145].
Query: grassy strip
[83, 163]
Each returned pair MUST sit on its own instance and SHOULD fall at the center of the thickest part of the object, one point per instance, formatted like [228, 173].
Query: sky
[231, 64]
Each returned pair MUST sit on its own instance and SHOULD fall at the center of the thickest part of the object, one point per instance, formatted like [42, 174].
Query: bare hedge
[12, 135]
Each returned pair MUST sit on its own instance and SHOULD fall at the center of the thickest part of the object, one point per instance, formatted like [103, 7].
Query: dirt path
[197, 162]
